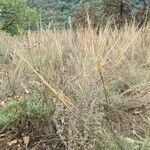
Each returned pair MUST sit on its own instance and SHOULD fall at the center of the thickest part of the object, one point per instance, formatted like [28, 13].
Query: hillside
[58, 12]
[55, 12]
[17, 17]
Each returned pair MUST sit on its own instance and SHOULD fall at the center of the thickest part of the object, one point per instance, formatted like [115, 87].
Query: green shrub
[26, 108]
[16, 16]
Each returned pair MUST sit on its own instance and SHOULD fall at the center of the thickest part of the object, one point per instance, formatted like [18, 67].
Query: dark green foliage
[16, 16]
[55, 13]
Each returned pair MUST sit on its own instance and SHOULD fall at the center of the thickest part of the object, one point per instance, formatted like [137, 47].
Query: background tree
[117, 12]
[16, 16]
[141, 11]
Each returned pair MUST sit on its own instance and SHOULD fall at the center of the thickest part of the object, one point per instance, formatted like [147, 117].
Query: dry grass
[99, 84]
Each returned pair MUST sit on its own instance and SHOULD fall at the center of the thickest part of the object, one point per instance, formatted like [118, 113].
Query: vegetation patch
[26, 123]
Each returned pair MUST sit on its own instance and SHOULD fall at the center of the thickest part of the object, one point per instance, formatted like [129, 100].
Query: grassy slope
[105, 80]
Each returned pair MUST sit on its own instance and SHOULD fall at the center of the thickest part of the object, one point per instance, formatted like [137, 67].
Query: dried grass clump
[98, 84]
